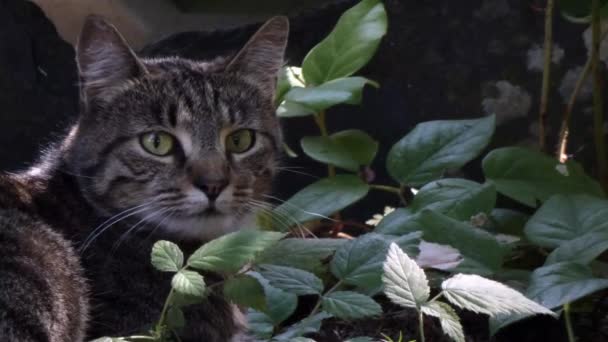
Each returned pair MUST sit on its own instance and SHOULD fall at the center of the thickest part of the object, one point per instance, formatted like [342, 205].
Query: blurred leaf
[404, 281]
[175, 318]
[359, 262]
[348, 149]
[579, 11]
[563, 218]
[435, 146]
[289, 77]
[346, 90]
[398, 222]
[279, 304]
[245, 290]
[583, 249]
[167, 257]
[259, 324]
[508, 221]
[564, 282]
[305, 254]
[306, 326]
[289, 109]
[292, 280]
[350, 45]
[322, 198]
[528, 176]
[229, 253]
[350, 305]
[189, 283]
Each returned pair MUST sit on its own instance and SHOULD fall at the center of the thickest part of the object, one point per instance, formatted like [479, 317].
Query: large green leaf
[564, 282]
[529, 176]
[245, 290]
[563, 218]
[457, 198]
[435, 146]
[231, 252]
[508, 221]
[404, 281]
[188, 283]
[167, 257]
[292, 280]
[359, 262]
[350, 45]
[398, 222]
[305, 254]
[321, 199]
[348, 149]
[346, 90]
[583, 249]
[350, 305]
[279, 304]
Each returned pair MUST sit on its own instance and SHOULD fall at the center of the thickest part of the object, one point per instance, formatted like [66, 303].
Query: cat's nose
[211, 187]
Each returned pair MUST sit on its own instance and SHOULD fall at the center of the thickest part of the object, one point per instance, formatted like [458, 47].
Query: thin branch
[548, 50]
[598, 105]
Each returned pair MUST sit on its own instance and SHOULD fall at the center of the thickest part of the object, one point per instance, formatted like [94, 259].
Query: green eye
[157, 143]
[240, 141]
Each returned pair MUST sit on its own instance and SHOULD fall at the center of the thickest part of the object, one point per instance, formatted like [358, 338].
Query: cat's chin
[207, 226]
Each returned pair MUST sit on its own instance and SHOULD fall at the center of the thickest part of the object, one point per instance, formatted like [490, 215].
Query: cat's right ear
[104, 59]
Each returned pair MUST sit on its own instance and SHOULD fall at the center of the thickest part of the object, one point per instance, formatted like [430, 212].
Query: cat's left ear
[262, 57]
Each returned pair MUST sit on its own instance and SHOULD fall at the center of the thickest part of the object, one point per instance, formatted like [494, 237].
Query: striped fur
[62, 261]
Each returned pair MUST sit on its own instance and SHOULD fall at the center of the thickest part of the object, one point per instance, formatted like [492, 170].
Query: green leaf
[579, 11]
[563, 218]
[322, 198]
[405, 283]
[583, 249]
[481, 295]
[189, 283]
[180, 300]
[359, 262]
[456, 198]
[231, 252]
[348, 149]
[432, 147]
[308, 325]
[507, 221]
[346, 90]
[279, 304]
[350, 45]
[350, 305]
[482, 252]
[289, 109]
[175, 318]
[450, 323]
[245, 290]
[167, 257]
[305, 254]
[501, 321]
[259, 324]
[529, 176]
[561, 283]
[400, 221]
[292, 280]
[289, 77]
[360, 339]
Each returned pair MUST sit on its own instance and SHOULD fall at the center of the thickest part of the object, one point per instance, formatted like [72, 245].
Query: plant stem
[548, 49]
[317, 306]
[436, 297]
[598, 105]
[163, 313]
[568, 322]
[421, 326]
[387, 188]
[320, 120]
[140, 338]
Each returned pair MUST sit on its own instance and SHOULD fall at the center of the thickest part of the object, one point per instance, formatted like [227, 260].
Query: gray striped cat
[164, 148]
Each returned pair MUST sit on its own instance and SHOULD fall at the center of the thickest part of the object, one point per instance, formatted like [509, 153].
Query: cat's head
[184, 145]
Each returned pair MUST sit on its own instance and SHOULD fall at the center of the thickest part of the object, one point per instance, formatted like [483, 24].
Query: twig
[568, 323]
[548, 49]
[598, 105]
[320, 121]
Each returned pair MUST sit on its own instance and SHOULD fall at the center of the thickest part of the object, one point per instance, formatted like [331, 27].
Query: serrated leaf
[175, 318]
[529, 176]
[350, 305]
[481, 295]
[350, 149]
[308, 325]
[259, 324]
[347, 90]
[189, 283]
[292, 280]
[450, 323]
[359, 262]
[400, 221]
[404, 281]
[321, 199]
[245, 291]
[305, 254]
[349, 46]
[582, 250]
[279, 304]
[231, 252]
[433, 147]
[564, 282]
[563, 218]
[167, 257]
[457, 198]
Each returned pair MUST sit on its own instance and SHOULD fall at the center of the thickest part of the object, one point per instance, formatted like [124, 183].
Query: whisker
[124, 236]
[280, 169]
[299, 209]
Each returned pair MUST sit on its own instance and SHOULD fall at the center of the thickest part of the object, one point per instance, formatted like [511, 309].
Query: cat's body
[164, 149]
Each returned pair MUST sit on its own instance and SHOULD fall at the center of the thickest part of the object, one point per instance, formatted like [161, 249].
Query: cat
[164, 148]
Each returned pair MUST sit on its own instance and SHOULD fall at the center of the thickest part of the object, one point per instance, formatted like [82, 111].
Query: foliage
[266, 270]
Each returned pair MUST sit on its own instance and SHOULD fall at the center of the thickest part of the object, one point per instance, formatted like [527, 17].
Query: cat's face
[185, 146]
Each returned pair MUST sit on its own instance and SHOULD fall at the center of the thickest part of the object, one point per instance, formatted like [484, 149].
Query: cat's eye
[157, 143]
[240, 141]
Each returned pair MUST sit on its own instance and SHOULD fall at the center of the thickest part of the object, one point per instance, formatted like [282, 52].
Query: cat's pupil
[156, 141]
[236, 141]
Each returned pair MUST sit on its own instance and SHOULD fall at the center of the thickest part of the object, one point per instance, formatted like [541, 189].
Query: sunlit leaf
[167, 257]
[450, 323]
[405, 283]
[346, 90]
[189, 283]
